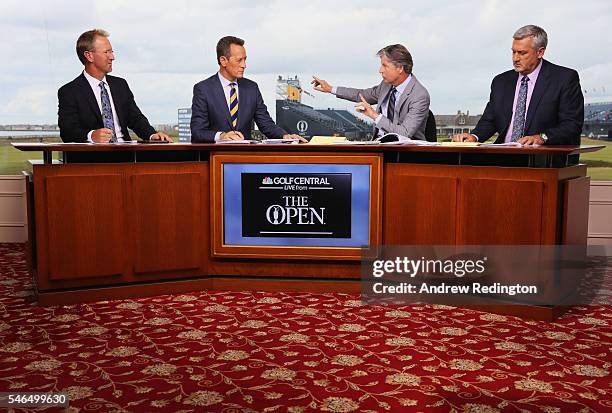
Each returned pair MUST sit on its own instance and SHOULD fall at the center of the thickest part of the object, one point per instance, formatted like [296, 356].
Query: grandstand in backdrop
[598, 120]
[296, 117]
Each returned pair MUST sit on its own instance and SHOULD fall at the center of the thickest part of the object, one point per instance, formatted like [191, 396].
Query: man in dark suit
[225, 105]
[97, 107]
[537, 103]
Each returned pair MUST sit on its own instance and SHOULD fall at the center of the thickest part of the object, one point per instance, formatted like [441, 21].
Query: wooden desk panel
[86, 226]
[157, 229]
[419, 207]
[502, 212]
[576, 210]
[167, 205]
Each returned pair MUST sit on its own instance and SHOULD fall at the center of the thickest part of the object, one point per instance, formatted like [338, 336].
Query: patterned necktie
[518, 129]
[107, 112]
[391, 105]
[233, 105]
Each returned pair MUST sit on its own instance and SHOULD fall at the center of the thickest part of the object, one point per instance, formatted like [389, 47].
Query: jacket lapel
[538, 91]
[384, 92]
[244, 97]
[508, 101]
[89, 96]
[116, 93]
[219, 97]
[404, 96]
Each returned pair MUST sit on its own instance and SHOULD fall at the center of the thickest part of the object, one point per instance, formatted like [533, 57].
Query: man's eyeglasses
[106, 52]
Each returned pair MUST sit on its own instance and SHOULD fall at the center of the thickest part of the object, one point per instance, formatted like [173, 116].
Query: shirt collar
[533, 76]
[224, 82]
[95, 83]
[402, 86]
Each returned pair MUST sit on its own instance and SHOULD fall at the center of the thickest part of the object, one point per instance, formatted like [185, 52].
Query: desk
[116, 221]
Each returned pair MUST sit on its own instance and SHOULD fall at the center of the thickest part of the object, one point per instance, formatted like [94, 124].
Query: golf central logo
[267, 181]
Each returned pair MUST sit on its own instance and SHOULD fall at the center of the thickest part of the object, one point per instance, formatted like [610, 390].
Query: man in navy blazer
[96, 107]
[225, 105]
[537, 103]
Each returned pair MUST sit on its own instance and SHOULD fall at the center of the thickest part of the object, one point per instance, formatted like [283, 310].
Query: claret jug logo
[295, 210]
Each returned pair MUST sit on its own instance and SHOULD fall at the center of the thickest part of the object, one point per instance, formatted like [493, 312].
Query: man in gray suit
[403, 103]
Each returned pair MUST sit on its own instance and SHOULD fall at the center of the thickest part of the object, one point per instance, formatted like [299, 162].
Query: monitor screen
[314, 205]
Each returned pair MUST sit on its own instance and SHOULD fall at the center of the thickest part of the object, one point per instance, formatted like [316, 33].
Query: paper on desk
[419, 142]
[242, 141]
[356, 143]
[326, 140]
[283, 141]
[460, 143]
[502, 145]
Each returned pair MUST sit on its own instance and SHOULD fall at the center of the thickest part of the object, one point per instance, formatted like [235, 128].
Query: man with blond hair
[402, 101]
[96, 107]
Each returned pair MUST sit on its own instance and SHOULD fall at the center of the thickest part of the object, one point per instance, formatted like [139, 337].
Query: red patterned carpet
[218, 351]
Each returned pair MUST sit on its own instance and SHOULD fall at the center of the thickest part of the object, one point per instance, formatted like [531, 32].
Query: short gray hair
[539, 36]
[86, 41]
[399, 56]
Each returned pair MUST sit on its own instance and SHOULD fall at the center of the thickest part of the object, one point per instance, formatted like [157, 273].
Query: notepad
[326, 140]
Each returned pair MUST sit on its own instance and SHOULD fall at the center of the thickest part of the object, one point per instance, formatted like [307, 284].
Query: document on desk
[356, 143]
[280, 141]
[503, 145]
[460, 143]
[239, 142]
[419, 142]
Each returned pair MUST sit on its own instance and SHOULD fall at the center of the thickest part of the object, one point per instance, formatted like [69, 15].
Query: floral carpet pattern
[215, 351]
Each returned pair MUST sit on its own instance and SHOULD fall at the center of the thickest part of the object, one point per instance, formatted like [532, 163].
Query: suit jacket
[210, 113]
[556, 107]
[79, 113]
[411, 107]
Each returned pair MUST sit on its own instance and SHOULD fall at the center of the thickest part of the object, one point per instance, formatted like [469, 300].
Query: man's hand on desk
[321, 85]
[102, 135]
[298, 138]
[233, 135]
[160, 136]
[531, 140]
[464, 137]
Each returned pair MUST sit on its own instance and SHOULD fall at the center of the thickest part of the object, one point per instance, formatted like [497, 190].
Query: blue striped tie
[107, 112]
[391, 105]
[233, 105]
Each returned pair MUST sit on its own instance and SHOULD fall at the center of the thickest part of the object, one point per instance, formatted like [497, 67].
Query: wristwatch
[544, 137]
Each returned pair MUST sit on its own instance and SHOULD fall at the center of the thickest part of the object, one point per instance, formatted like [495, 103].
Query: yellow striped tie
[233, 105]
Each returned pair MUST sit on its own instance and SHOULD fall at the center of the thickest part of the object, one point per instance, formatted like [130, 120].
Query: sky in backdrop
[164, 47]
